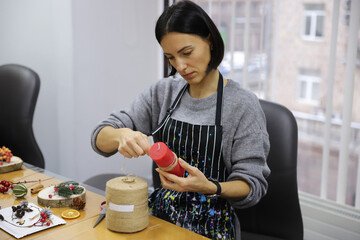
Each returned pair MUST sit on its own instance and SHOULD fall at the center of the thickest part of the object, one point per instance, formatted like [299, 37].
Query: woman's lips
[189, 75]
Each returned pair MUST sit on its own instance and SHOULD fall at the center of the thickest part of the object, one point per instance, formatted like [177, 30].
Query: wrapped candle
[166, 159]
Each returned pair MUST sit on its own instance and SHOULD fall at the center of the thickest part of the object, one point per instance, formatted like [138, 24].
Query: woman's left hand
[194, 182]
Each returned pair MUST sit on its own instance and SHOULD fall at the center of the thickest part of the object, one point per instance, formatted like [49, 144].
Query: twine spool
[127, 204]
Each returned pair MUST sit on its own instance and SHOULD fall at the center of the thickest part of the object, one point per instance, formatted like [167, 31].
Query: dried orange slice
[70, 214]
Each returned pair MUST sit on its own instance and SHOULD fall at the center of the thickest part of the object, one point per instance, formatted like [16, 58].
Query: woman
[215, 127]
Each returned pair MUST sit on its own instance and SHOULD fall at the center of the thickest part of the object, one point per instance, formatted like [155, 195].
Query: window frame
[313, 14]
[309, 81]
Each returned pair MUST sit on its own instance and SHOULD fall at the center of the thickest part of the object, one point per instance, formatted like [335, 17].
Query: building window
[313, 27]
[308, 86]
[270, 40]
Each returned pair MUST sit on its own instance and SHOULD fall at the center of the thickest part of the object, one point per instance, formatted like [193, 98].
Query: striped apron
[200, 146]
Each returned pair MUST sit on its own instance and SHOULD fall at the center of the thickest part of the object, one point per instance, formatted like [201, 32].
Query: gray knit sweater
[245, 139]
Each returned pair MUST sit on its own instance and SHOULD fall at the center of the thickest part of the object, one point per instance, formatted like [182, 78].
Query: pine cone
[78, 203]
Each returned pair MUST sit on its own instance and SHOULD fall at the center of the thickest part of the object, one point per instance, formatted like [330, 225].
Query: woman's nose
[180, 65]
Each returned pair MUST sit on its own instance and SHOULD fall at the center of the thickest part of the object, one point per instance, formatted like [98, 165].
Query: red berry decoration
[50, 196]
[44, 218]
[5, 185]
[5, 155]
[4, 189]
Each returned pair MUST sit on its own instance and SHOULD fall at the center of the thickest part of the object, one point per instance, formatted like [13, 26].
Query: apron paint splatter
[200, 146]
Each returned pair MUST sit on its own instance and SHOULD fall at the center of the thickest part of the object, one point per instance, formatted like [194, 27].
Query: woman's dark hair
[188, 17]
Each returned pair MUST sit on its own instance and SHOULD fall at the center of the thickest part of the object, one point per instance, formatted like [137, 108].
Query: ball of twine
[126, 204]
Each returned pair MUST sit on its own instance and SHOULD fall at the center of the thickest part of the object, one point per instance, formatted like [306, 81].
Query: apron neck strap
[177, 99]
[218, 101]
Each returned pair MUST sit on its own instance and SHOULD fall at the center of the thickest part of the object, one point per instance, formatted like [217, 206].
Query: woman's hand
[128, 142]
[197, 182]
[194, 182]
[133, 143]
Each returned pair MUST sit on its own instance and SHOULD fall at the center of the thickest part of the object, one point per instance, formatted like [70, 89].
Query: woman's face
[189, 54]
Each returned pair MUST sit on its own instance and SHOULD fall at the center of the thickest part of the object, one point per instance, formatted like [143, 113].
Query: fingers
[170, 181]
[128, 152]
[192, 170]
[169, 176]
[166, 183]
[133, 144]
[144, 144]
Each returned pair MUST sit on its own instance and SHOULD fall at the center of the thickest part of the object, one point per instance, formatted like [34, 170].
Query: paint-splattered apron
[200, 146]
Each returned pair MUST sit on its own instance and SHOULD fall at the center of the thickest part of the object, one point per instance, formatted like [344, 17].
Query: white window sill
[325, 219]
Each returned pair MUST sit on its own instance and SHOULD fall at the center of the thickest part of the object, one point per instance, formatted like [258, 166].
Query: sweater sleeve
[144, 113]
[137, 117]
[249, 151]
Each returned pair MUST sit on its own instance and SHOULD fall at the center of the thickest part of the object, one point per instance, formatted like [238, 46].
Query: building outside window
[292, 69]
[308, 86]
[313, 21]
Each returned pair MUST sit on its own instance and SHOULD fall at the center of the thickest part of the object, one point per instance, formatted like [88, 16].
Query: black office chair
[19, 89]
[278, 214]
[99, 181]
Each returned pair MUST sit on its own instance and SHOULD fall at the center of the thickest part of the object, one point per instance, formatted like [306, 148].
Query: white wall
[28, 37]
[93, 57]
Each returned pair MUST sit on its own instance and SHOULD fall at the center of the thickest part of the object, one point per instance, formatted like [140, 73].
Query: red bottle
[166, 159]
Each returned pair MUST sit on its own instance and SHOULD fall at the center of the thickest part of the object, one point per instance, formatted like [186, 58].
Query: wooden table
[82, 227]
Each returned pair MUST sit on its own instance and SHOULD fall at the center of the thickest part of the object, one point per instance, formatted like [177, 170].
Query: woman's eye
[187, 53]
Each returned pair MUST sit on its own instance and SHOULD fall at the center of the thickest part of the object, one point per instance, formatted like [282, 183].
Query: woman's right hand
[128, 142]
[132, 143]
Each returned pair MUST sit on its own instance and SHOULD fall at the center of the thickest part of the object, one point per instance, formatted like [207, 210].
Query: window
[275, 59]
[313, 22]
[308, 86]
